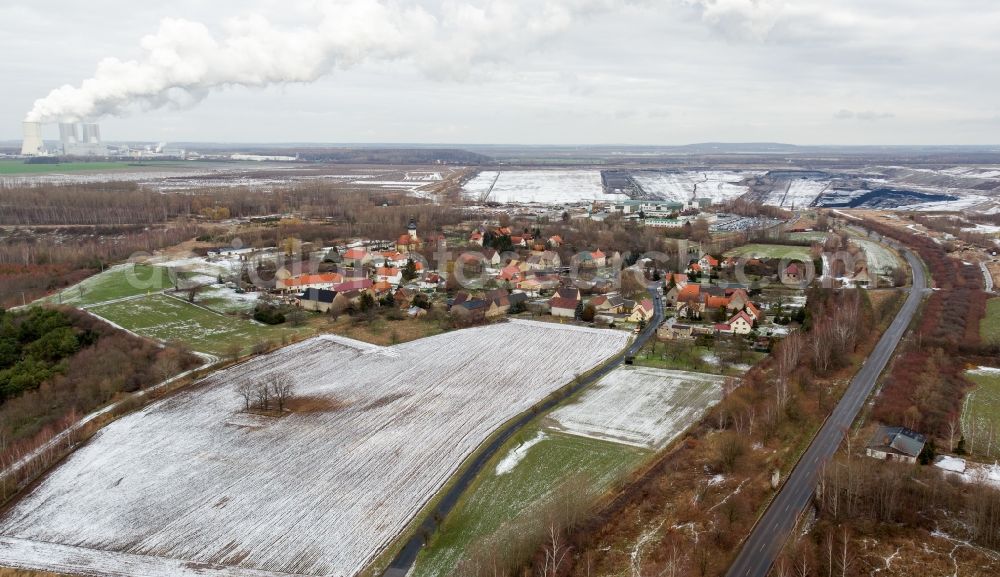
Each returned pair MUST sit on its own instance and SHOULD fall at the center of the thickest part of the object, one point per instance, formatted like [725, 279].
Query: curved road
[768, 536]
[404, 560]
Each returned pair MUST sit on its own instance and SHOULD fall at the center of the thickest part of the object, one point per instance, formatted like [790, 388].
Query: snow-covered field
[720, 186]
[540, 186]
[880, 259]
[322, 491]
[640, 406]
[801, 193]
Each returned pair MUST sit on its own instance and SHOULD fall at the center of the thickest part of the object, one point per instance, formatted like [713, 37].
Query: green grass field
[20, 167]
[814, 236]
[16, 167]
[772, 251]
[989, 327]
[115, 283]
[499, 499]
[170, 319]
[982, 407]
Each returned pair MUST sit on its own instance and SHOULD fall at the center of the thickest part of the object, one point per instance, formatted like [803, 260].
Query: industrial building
[75, 139]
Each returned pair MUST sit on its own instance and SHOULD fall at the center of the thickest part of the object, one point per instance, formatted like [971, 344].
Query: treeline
[61, 364]
[36, 264]
[948, 273]
[122, 203]
[858, 505]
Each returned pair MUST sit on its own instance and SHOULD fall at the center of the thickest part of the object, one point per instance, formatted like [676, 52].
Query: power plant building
[76, 139]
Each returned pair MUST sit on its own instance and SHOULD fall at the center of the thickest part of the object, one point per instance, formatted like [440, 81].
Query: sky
[640, 72]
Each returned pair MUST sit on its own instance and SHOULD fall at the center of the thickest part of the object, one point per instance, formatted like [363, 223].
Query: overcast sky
[516, 71]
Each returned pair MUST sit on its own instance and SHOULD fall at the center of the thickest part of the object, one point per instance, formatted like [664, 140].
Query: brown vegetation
[877, 517]
[925, 388]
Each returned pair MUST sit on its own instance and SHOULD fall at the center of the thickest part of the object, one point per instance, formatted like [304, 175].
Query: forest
[57, 365]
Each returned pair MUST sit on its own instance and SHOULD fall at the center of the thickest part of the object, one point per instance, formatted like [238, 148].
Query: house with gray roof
[896, 444]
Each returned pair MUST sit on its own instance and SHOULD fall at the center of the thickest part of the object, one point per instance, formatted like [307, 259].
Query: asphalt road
[404, 560]
[768, 537]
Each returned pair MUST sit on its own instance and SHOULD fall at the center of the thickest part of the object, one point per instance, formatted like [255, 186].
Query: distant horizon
[612, 145]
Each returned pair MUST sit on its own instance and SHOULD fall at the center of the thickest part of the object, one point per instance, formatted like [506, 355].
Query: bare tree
[262, 392]
[248, 390]
[282, 388]
[555, 552]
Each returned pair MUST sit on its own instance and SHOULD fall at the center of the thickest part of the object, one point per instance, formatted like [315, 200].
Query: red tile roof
[562, 303]
[355, 284]
[310, 279]
[690, 292]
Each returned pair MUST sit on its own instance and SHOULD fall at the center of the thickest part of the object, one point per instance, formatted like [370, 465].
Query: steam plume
[183, 62]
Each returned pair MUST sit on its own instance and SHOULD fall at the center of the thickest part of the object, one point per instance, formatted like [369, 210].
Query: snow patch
[518, 454]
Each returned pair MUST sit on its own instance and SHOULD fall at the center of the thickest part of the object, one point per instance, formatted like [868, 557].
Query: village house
[492, 258]
[672, 331]
[563, 307]
[308, 281]
[678, 279]
[642, 311]
[318, 300]
[499, 300]
[511, 273]
[741, 323]
[792, 274]
[862, 278]
[708, 262]
[357, 257]
[555, 241]
[403, 297]
[544, 260]
[393, 276]
[610, 304]
[896, 444]
[392, 258]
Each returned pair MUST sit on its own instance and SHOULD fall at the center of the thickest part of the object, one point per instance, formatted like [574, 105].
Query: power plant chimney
[33, 145]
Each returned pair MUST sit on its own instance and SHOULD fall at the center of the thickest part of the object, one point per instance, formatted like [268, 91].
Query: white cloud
[514, 71]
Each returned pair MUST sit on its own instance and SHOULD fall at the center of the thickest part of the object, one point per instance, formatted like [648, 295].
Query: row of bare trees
[267, 393]
[850, 489]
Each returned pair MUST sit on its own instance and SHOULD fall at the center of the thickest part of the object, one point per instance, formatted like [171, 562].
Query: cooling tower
[33, 144]
[69, 133]
[91, 134]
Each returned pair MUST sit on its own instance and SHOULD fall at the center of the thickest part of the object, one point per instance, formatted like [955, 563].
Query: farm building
[896, 444]
[318, 300]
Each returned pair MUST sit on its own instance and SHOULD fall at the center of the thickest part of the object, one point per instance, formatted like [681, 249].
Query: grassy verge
[497, 498]
[989, 327]
[981, 415]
